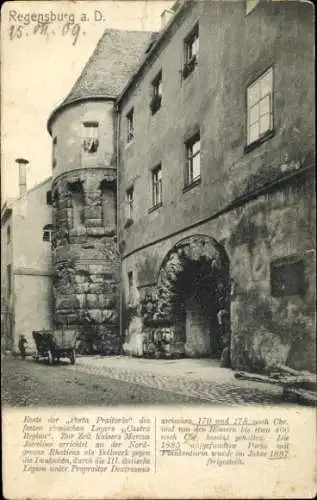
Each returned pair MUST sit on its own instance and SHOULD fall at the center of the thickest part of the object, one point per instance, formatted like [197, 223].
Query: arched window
[47, 232]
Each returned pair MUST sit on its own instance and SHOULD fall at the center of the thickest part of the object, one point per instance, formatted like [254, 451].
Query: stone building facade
[182, 188]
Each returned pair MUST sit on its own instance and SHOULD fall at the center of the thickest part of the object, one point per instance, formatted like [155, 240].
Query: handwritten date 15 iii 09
[45, 29]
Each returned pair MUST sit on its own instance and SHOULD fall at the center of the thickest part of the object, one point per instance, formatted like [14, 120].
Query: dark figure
[21, 345]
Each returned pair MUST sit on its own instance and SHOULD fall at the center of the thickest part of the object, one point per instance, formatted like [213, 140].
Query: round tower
[84, 187]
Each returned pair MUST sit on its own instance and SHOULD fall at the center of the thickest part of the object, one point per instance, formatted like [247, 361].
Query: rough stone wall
[265, 329]
[159, 322]
[86, 261]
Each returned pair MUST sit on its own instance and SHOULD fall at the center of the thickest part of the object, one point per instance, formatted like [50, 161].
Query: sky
[39, 69]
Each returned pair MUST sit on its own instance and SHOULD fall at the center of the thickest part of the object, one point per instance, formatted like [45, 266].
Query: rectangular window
[130, 287]
[90, 137]
[49, 199]
[260, 107]
[191, 50]
[156, 93]
[130, 125]
[287, 277]
[157, 186]
[129, 195]
[9, 280]
[192, 160]
[54, 160]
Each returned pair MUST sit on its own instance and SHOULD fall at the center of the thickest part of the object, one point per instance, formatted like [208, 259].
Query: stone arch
[193, 285]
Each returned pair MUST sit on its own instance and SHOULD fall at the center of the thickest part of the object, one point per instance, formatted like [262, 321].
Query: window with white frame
[130, 125]
[90, 137]
[260, 107]
[130, 200]
[191, 50]
[157, 186]
[192, 160]
[156, 93]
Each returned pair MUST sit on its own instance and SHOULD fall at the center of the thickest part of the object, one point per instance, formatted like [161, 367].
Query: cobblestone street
[120, 380]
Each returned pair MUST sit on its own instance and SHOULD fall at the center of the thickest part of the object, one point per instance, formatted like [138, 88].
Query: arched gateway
[188, 312]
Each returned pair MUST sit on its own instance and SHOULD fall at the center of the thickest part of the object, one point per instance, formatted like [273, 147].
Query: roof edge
[184, 5]
[65, 105]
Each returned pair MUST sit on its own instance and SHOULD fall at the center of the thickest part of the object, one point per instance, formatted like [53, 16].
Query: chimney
[166, 15]
[22, 175]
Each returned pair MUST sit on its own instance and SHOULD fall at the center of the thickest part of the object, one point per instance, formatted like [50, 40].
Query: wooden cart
[55, 344]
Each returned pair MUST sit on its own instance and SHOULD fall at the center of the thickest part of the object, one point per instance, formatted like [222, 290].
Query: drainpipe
[22, 163]
[117, 114]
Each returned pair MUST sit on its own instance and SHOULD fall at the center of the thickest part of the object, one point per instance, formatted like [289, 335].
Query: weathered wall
[213, 99]
[85, 256]
[6, 297]
[68, 130]
[261, 228]
[33, 306]
[32, 263]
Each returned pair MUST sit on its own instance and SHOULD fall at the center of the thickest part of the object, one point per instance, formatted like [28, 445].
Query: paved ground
[117, 380]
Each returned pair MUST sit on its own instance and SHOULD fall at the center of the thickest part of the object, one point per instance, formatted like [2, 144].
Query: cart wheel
[37, 358]
[72, 357]
[50, 357]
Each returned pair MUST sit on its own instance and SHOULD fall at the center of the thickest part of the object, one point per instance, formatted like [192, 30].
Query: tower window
[91, 137]
[8, 234]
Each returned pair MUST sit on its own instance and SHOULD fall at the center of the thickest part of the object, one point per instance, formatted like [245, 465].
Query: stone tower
[84, 185]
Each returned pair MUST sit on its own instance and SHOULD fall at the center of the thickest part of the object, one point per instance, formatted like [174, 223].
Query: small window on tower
[91, 137]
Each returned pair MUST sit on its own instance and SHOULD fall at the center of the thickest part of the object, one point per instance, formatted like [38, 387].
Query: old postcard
[158, 249]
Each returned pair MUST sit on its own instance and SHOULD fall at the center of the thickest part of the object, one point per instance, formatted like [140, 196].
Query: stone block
[92, 301]
[97, 268]
[95, 315]
[95, 288]
[66, 302]
[94, 222]
[92, 212]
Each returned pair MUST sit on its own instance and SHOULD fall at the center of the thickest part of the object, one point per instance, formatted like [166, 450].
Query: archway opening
[194, 296]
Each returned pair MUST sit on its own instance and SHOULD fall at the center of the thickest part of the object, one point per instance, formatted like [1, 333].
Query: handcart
[55, 344]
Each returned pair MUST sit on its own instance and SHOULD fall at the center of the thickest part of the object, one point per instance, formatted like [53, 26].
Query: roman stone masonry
[184, 314]
[85, 257]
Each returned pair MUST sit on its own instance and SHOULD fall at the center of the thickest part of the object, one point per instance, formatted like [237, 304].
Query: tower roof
[116, 55]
